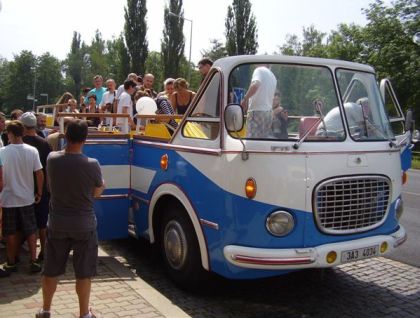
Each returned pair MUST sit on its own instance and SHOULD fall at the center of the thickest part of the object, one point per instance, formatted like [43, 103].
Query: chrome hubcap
[175, 244]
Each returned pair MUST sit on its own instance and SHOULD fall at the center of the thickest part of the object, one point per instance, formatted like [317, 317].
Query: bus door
[112, 208]
[400, 128]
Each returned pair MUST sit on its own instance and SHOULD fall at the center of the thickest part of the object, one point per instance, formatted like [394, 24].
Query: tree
[20, 81]
[135, 29]
[49, 78]
[97, 56]
[74, 64]
[346, 43]
[173, 42]
[388, 46]
[216, 51]
[292, 46]
[4, 74]
[118, 59]
[154, 66]
[312, 42]
[241, 29]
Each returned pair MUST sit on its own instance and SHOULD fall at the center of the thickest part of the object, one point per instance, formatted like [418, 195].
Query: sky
[48, 25]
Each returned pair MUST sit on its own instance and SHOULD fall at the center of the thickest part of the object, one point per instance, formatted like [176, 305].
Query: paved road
[375, 288]
[380, 287]
[409, 252]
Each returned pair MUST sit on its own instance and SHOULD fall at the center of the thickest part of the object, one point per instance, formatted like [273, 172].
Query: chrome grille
[351, 204]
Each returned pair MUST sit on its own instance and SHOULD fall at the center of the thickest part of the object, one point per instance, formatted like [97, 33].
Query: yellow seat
[193, 130]
[157, 130]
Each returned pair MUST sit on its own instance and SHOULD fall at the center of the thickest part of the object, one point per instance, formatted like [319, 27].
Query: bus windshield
[300, 102]
[363, 106]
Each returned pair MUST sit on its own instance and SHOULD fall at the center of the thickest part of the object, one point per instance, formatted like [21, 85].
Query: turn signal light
[164, 162]
[384, 247]
[250, 188]
[404, 177]
[331, 257]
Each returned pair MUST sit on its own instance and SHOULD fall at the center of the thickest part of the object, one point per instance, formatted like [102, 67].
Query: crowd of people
[49, 194]
[175, 98]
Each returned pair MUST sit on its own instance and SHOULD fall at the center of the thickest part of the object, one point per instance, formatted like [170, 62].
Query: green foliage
[389, 47]
[19, 76]
[216, 51]
[118, 59]
[173, 42]
[154, 66]
[135, 30]
[292, 46]
[241, 29]
[385, 43]
[49, 78]
[346, 43]
[74, 65]
[98, 62]
[20, 81]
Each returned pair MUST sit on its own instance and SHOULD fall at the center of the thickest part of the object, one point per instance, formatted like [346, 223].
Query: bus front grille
[351, 204]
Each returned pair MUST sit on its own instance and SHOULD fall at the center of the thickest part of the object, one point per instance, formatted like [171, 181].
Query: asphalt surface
[409, 252]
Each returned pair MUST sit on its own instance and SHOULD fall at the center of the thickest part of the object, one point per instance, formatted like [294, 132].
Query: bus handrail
[62, 115]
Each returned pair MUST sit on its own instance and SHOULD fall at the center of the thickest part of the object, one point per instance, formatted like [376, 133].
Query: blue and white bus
[213, 199]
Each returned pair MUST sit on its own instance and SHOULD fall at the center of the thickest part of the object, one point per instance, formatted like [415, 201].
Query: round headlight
[280, 223]
[399, 208]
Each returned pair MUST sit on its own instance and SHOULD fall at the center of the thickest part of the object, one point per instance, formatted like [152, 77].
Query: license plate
[359, 253]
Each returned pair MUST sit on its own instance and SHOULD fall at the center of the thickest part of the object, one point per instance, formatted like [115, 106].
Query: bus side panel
[112, 207]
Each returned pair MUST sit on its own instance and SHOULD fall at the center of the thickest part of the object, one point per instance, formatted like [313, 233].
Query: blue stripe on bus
[108, 154]
[241, 220]
[406, 158]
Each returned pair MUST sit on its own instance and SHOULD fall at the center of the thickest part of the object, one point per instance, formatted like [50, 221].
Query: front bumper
[312, 257]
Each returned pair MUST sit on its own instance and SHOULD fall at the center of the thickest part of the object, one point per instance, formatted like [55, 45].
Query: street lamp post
[189, 58]
[44, 94]
[33, 100]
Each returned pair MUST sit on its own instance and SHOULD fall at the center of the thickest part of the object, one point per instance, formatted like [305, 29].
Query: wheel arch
[163, 195]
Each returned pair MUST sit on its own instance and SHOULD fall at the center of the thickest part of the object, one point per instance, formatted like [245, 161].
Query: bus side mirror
[234, 118]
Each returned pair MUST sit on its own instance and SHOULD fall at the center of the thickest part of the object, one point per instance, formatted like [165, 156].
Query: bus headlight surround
[399, 208]
[280, 223]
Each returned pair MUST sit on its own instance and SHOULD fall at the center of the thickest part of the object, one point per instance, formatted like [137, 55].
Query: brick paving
[116, 292]
[132, 283]
[377, 287]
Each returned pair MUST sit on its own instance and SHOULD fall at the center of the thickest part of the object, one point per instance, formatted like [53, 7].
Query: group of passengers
[175, 98]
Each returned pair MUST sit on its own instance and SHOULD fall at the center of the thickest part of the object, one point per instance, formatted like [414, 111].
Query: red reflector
[273, 261]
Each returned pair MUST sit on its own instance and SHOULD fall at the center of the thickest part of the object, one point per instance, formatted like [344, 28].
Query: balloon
[146, 106]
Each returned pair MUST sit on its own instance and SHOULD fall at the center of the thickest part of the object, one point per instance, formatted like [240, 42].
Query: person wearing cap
[20, 162]
[30, 137]
[168, 85]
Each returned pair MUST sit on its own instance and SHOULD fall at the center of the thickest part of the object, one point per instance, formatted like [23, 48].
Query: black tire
[180, 249]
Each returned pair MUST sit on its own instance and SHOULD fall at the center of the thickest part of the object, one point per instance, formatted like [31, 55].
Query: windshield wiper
[368, 124]
[318, 105]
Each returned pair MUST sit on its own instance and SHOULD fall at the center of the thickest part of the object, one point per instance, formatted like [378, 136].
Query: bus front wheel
[180, 249]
